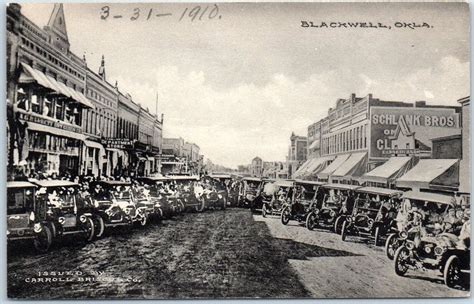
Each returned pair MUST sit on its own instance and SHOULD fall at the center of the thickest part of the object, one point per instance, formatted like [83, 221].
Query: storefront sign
[408, 131]
[118, 143]
[48, 122]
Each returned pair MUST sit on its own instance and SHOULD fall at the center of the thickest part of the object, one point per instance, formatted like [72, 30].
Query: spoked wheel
[88, 228]
[43, 240]
[344, 231]
[99, 226]
[311, 220]
[264, 211]
[143, 220]
[391, 245]
[224, 203]
[452, 272]
[181, 206]
[400, 260]
[285, 216]
[377, 236]
[200, 207]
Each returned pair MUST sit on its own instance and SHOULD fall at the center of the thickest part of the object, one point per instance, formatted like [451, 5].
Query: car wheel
[452, 272]
[344, 231]
[43, 240]
[224, 203]
[391, 245]
[89, 230]
[400, 261]
[285, 216]
[377, 236]
[337, 224]
[264, 211]
[311, 220]
[143, 220]
[99, 226]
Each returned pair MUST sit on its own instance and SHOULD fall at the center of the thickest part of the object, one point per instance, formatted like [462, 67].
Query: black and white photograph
[237, 150]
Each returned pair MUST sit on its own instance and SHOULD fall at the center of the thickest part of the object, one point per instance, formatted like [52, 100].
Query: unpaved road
[363, 272]
[216, 254]
[206, 255]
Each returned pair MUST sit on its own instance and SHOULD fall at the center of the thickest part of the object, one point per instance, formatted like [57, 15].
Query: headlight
[37, 228]
[83, 218]
[219, 196]
[370, 222]
[127, 211]
[428, 249]
[316, 211]
[403, 234]
[61, 220]
[332, 213]
[438, 250]
[410, 245]
[158, 205]
[32, 216]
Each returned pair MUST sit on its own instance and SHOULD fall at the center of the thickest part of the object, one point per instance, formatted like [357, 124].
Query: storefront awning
[314, 145]
[432, 174]
[317, 165]
[55, 131]
[390, 170]
[302, 168]
[355, 165]
[464, 177]
[93, 144]
[51, 83]
[340, 159]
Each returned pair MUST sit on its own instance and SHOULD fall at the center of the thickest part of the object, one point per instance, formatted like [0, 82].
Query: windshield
[20, 200]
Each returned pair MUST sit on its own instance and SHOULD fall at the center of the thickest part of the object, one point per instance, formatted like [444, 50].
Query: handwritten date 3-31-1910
[194, 13]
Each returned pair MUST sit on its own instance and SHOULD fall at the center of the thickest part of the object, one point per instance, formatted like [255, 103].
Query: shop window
[59, 111]
[47, 107]
[22, 100]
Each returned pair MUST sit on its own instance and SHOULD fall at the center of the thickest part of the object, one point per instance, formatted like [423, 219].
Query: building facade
[297, 152]
[369, 131]
[62, 117]
[256, 167]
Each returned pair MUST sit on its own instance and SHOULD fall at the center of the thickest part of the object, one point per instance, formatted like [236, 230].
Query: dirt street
[214, 254]
[363, 271]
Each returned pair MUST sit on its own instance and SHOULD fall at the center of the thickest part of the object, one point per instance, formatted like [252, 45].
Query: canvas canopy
[340, 159]
[432, 174]
[353, 166]
[390, 170]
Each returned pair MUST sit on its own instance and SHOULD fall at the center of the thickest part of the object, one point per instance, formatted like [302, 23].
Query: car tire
[399, 261]
[264, 211]
[311, 221]
[452, 272]
[43, 240]
[89, 229]
[285, 216]
[144, 220]
[337, 223]
[344, 231]
[391, 246]
[377, 236]
[99, 226]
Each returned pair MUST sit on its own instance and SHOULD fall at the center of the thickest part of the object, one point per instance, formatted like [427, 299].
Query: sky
[240, 83]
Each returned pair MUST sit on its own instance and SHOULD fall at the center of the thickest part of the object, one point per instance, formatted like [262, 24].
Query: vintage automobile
[333, 202]
[68, 213]
[304, 195]
[274, 195]
[223, 184]
[185, 187]
[115, 205]
[262, 197]
[249, 191]
[409, 212]
[373, 214]
[164, 207]
[434, 243]
[26, 217]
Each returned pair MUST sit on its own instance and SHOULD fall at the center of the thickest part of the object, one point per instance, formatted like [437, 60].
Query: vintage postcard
[237, 150]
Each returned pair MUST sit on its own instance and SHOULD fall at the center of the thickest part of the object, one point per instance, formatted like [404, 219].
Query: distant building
[297, 152]
[256, 167]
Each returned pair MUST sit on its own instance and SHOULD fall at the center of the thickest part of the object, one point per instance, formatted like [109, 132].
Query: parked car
[373, 214]
[333, 203]
[223, 184]
[435, 244]
[115, 205]
[409, 213]
[249, 191]
[26, 217]
[162, 206]
[273, 196]
[68, 213]
[304, 195]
